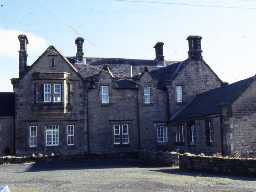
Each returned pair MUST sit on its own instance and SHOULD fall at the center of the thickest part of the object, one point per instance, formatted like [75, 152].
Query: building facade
[81, 105]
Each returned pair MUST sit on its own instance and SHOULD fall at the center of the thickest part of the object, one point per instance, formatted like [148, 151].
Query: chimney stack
[159, 53]
[23, 54]
[79, 53]
[195, 51]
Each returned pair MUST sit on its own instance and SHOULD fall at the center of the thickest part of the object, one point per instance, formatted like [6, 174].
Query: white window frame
[179, 94]
[117, 134]
[211, 131]
[121, 134]
[180, 138]
[193, 134]
[125, 134]
[47, 93]
[53, 132]
[70, 135]
[147, 95]
[32, 136]
[57, 92]
[104, 94]
[162, 134]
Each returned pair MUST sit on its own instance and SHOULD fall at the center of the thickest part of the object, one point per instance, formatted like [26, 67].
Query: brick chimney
[195, 51]
[23, 54]
[79, 46]
[159, 53]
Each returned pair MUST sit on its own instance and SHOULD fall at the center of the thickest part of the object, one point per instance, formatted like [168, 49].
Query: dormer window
[53, 93]
[179, 94]
[104, 94]
[147, 95]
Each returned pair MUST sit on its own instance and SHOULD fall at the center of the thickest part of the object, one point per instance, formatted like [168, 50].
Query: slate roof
[125, 84]
[6, 104]
[209, 103]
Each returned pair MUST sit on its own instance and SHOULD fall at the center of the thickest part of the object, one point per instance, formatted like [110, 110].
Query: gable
[52, 61]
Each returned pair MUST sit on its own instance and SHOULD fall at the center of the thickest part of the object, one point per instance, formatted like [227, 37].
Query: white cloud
[9, 43]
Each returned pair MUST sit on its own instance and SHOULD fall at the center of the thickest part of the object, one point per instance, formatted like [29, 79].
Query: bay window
[53, 92]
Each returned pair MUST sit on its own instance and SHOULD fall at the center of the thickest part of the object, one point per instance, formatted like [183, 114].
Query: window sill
[121, 145]
[179, 144]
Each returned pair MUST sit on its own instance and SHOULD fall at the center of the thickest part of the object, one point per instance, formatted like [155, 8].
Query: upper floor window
[53, 92]
[70, 134]
[180, 134]
[209, 132]
[162, 134]
[47, 93]
[179, 94]
[52, 135]
[147, 95]
[121, 134]
[104, 94]
[57, 93]
[32, 136]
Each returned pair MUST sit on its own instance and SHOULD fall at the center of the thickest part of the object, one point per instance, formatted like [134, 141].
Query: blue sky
[129, 29]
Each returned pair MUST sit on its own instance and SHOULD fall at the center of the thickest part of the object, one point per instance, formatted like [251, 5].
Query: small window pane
[179, 94]
[147, 94]
[104, 94]
[57, 93]
[47, 93]
[33, 136]
[70, 134]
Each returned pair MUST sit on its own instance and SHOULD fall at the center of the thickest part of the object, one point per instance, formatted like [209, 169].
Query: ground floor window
[32, 136]
[209, 132]
[121, 134]
[70, 135]
[192, 134]
[52, 135]
[162, 134]
[180, 134]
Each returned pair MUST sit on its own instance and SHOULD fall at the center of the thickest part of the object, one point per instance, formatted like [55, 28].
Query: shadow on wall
[177, 171]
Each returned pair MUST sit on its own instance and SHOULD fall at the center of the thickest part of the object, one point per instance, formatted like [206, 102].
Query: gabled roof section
[209, 103]
[51, 50]
[6, 104]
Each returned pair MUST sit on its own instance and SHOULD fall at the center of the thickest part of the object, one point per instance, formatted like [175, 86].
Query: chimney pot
[195, 51]
[159, 53]
[79, 45]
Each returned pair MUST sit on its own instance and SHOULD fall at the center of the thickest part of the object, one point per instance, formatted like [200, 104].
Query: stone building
[80, 105]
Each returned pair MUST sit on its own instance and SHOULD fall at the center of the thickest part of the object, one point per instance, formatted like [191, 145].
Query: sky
[130, 29]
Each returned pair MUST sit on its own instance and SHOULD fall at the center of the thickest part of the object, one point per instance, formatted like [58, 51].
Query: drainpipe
[138, 120]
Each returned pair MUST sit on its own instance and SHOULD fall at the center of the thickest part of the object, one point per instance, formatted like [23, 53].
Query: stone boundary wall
[218, 165]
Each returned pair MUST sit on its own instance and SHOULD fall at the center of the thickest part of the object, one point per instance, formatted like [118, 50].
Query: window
[209, 132]
[121, 134]
[192, 134]
[147, 95]
[32, 136]
[52, 135]
[179, 94]
[104, 94]
[52, 62]
[162, 134]
[57, 93]
[47, 93]
[70, 135]
[180, 134]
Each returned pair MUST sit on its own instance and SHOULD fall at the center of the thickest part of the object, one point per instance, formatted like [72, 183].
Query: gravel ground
[112, 176]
